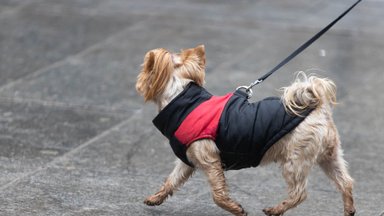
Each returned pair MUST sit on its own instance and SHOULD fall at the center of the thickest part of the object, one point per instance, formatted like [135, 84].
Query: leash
[248, 89]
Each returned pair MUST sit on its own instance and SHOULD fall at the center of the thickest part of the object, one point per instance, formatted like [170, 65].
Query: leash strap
[248, 89]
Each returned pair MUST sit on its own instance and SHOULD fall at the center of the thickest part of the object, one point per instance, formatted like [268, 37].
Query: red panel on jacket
[203, 121]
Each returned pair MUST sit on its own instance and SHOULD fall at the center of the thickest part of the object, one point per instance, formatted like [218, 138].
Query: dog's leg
[334, 166]
[295, 171]
[178, 176]
[205, 155]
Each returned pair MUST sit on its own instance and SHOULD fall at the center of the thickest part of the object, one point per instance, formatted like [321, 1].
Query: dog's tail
[308, 92]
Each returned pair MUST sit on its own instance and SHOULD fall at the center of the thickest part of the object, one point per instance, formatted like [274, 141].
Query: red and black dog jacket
[242, 131]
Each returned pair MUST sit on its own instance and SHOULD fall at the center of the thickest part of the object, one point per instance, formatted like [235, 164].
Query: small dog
[199, 127]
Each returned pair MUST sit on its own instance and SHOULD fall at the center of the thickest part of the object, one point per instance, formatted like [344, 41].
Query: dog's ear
[142, 85]
[196, 54]
[193, 64]
[155, 74]
[149, 61]
[200, 52]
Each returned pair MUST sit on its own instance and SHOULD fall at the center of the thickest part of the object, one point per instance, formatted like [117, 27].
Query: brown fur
[155, 74]
[314, 141]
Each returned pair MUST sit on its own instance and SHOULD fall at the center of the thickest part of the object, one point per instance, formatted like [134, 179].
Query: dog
[174, 82]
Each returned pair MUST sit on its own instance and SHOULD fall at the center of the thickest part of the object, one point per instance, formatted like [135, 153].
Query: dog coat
[242, 131]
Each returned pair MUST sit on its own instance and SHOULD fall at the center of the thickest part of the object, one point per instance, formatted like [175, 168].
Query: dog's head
[160, 66]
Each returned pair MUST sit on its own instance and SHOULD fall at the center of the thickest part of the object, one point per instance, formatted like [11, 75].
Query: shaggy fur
[314, 141]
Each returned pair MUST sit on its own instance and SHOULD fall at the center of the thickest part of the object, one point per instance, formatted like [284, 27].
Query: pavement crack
[70, 153]
[68, 106]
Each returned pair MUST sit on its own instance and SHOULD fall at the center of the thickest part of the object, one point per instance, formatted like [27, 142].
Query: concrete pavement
[76, 139]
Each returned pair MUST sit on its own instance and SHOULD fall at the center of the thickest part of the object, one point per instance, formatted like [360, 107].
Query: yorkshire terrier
[218, 133]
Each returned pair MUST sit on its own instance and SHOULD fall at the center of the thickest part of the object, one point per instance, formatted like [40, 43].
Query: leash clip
[247, 90]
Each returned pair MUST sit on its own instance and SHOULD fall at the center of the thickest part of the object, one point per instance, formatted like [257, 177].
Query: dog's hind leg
[298, 162]
[295, 173]
[334, 166]
[205, 155]
[178, 176]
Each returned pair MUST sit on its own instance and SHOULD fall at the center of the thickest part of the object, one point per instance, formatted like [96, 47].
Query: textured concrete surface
[76, 139]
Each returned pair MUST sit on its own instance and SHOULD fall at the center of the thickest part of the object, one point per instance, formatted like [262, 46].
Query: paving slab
[40, 34]
[33, 135]
[126, 148]
[81, 191]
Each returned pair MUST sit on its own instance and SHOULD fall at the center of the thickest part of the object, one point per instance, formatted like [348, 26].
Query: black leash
[248, 89]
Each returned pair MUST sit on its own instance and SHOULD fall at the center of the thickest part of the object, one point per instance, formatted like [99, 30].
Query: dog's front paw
[351, 212]
[154, 200]
[272, 212]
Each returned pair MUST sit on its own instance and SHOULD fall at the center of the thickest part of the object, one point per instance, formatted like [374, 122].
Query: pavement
[76, 139]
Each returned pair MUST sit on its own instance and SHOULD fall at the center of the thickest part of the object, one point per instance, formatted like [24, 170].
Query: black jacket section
[170, 118]
[247, 130]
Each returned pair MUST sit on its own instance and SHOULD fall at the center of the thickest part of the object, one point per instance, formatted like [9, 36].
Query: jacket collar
[170, 118]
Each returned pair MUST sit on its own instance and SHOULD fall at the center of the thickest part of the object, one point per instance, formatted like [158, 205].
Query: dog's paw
[243, 212]
[153, 200]
[272, 212]
[350, 212]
